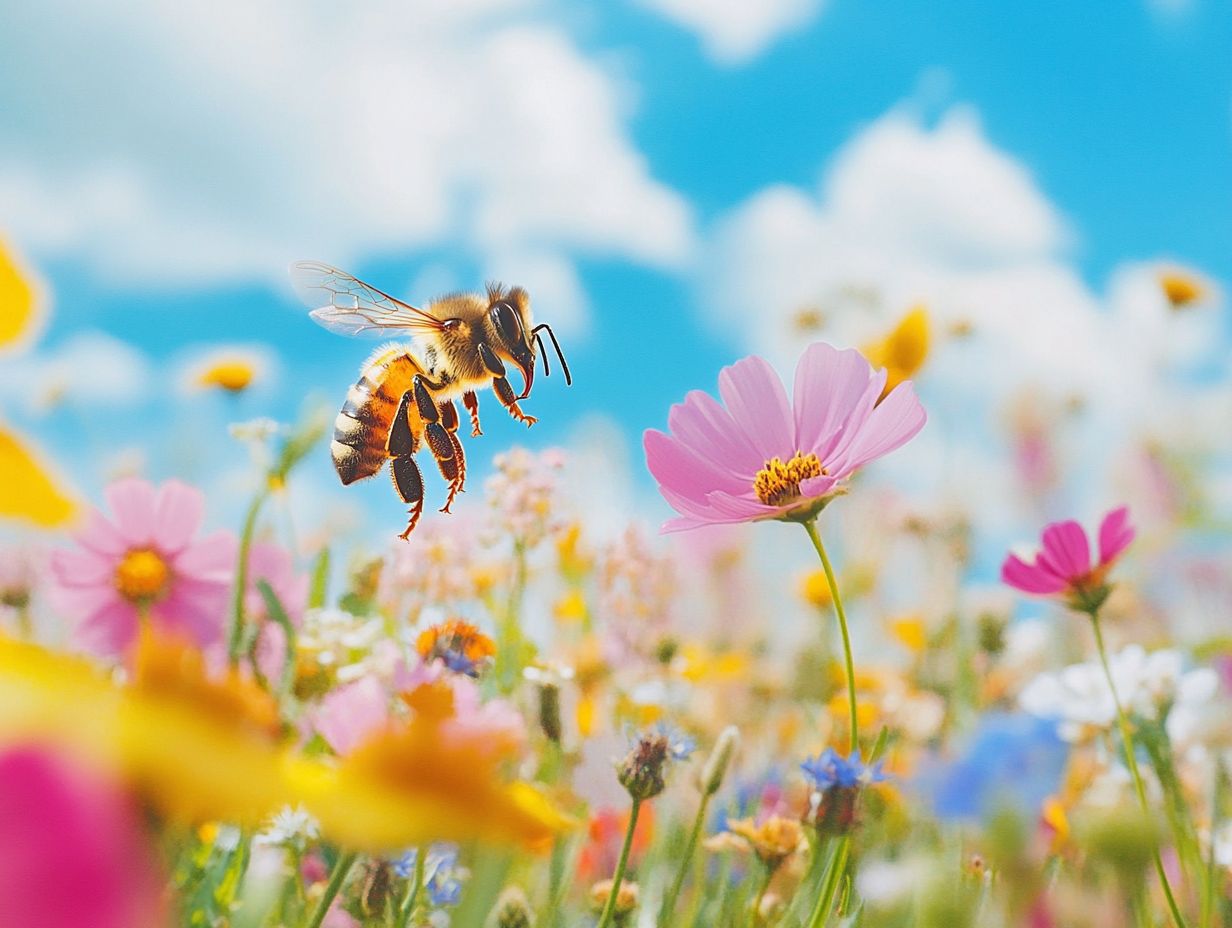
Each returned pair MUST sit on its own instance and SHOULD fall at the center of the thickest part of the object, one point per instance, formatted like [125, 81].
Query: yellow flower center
[233, 376]
[778, 482]
[142, 576]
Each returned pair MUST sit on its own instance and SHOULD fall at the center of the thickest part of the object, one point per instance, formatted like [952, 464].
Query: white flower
[291, 827]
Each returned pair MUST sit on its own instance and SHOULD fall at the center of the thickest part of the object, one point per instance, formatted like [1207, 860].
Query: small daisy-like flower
[837, 782]
[148, 561]
[459, 645]
[291, 826]
[773, 840]
[626, 899]
[758, 456]
[231, 369]
[644, 769]
[1063, 565]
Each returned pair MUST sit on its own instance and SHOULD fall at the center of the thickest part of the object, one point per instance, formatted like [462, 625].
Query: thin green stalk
[1127, 742]
[417, 883]
[609, 910]
[669, 902]
[755, 911]
[811, 528]
[1208, 890]
[236, 637]
[825, 899]
[341, 869]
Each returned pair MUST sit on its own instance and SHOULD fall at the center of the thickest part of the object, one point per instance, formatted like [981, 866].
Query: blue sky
[159, 182]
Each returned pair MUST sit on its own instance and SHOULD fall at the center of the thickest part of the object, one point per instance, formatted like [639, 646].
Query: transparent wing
[348, 306]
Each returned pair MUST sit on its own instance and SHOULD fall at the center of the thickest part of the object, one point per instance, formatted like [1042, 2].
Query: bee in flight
[404, 398]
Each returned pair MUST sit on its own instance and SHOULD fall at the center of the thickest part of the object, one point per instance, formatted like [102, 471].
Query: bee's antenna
[547, 371]
[555, 344]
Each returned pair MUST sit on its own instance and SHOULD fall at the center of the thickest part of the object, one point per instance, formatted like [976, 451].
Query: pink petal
[754, 395]
[817, 487]
[179, 512]
[891, 424]
[685, 471]
[1066, 551]
[703, 425]
[739, 507]
[212, 556]
[100, 536]
[1030, 579]
[83, 567]
[351, 713]
[110, 631]
[1115, 535]
[833, 450]
[829, 384]
[79, 603]
[195, 607]
[134, 504]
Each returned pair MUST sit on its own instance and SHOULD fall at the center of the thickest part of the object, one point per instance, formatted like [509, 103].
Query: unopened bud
[549, 711]
[512, 910]
[719, 760]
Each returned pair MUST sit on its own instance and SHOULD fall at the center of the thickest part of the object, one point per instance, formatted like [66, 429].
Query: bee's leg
[449, 419]
[408, 480]
[471, 402]
[445, 449]
[504, 393]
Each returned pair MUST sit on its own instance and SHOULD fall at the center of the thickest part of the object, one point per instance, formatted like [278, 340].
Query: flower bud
[512, 910]
[549, 711]
[643, 770]
[719, 760]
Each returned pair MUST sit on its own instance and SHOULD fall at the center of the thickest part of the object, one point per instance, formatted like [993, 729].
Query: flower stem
[610, 908]
[1127, 742]
[811, 528]
[417, 882]
[241, 577]
[669, 903]
[825, 899]
[755, 912]
[341, 869]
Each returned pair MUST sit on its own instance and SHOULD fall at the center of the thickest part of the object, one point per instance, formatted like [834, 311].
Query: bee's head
[514, 335]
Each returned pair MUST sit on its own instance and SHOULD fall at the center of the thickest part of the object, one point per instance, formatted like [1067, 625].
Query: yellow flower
[816, 590]
[231, 369]
[910, 632]
[698, 664]
[28, 491]
[1182, 288]
[773, 841]
[575, 561]
[424, 780]
[570, 609]
[195, 748]
[22, 305]
[903, 351]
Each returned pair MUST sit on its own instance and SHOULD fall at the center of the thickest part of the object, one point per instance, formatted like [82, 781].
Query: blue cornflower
[442, 875]
[830, 769]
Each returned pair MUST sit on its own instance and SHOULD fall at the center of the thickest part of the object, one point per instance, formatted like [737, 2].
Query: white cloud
[188, 142]
[90, 370]
[735, 31]
[905, 214]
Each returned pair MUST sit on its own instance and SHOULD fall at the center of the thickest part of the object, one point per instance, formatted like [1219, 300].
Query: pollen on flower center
[778, 482]
[142, 575]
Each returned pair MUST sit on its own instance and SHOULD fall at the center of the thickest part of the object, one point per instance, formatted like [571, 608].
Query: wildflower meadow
[705, 541]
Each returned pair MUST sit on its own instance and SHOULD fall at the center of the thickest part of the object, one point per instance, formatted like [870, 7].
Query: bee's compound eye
[507, 322]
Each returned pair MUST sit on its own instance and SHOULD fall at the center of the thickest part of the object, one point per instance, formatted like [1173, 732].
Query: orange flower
[459, 644]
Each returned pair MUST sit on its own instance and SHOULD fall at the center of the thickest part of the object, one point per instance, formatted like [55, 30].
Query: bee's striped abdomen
[361, 431]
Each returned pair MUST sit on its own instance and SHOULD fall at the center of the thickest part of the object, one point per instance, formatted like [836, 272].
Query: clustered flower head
[458, 644]
[522, 493]
[643, 771]
[760, 456]
[773, 840]
[837, 783]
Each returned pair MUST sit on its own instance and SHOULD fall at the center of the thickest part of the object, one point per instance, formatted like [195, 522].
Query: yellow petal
[21, 302]
[904, 350]
[27, 490]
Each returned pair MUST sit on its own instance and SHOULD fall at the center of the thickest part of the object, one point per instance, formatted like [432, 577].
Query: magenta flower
[1063, 565]
[73, 849]
[757, 456]
[146, 560]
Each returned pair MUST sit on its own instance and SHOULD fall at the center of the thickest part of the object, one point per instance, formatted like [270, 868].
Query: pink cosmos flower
[72, 848]
[275, 566]
[1063, 565]
[145, 560]
[758, 456]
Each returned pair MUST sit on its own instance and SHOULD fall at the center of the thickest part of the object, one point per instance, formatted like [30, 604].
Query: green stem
[669, 903]
[241, 577]
[825, 899]
[1127, 742]
[341, 869]
[1208, 894]
[417, 883]
[610, 909]
[755, 912]
[811, 528]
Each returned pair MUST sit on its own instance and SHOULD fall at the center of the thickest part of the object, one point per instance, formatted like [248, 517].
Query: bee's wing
[348, 306]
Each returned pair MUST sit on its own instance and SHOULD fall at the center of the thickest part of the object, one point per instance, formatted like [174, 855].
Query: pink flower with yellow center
[1063, 567]
[145, 561]
[758, 455]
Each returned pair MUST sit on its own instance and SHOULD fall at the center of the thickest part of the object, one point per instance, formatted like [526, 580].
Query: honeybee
[404, 398]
